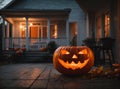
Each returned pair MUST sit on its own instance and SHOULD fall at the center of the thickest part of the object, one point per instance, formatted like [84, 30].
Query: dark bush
[51, 46]
[89, 42]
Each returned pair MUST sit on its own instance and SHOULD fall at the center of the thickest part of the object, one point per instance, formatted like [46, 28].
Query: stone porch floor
[44, 76]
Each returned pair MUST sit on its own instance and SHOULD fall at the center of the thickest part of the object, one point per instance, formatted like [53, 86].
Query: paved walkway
[44, 76]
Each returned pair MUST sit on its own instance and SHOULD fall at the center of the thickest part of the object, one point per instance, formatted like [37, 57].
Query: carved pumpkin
[73, 60]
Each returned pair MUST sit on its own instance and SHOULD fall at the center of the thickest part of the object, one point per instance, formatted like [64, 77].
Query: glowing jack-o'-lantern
[73, 60]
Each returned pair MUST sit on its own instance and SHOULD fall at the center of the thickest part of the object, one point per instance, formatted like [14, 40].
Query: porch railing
[34, 43]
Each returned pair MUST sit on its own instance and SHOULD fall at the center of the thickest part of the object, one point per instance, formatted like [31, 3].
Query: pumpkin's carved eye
[64, 52]
[84, 51]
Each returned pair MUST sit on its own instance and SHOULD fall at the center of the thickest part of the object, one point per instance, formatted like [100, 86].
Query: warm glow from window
[75, 32]
[22, 30]
[108, 18]
[107, 25]
[21, 26]
[55, 33]
[55, 27]
[23, 18]
[31, 24]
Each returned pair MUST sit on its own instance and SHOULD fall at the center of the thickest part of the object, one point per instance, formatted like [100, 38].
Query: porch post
[27, 39]
[87, 25]
[67, 32]
[41, 31]
[48, 34]
[3, 34]
[10, 36]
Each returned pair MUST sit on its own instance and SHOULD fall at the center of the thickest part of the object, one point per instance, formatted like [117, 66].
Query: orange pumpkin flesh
[73, 60]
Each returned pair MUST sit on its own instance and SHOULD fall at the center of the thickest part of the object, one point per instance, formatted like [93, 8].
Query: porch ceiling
[22, 19]
[93, 5]
[35, 13]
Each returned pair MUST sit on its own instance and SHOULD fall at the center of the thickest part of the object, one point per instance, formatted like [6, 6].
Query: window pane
[107, 25]
[53, 31]
[34, 32]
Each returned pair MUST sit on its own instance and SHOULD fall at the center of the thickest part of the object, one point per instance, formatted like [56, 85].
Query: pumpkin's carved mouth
[73, 65]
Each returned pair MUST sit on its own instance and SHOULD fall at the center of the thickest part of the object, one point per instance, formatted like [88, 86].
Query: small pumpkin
[73, 60]
[43, 49]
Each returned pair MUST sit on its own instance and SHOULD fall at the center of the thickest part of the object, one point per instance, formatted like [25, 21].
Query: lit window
[98, 28]
[53, 29]
[22, 28]
[107, 25]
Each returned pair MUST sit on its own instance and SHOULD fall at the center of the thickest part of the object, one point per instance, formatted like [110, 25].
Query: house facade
[32, 24]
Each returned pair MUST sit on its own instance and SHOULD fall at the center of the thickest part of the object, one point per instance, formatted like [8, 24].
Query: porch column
[48, 32]
[87, 25]
[3, 34]
[67, 32]
[27, 39]
[10, 36]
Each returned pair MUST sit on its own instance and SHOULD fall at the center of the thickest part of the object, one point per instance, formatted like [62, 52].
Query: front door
[34, 32]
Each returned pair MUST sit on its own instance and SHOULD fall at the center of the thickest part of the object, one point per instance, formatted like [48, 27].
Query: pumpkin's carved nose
[74, 56]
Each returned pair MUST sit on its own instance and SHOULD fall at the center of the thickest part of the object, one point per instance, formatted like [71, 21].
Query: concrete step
[34, 56]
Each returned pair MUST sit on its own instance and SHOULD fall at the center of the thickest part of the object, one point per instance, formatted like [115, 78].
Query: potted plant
[89, 42]
[51, 47]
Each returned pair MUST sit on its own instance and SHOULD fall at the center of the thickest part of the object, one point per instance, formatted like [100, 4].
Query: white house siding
[3, 3]
[76, 14]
